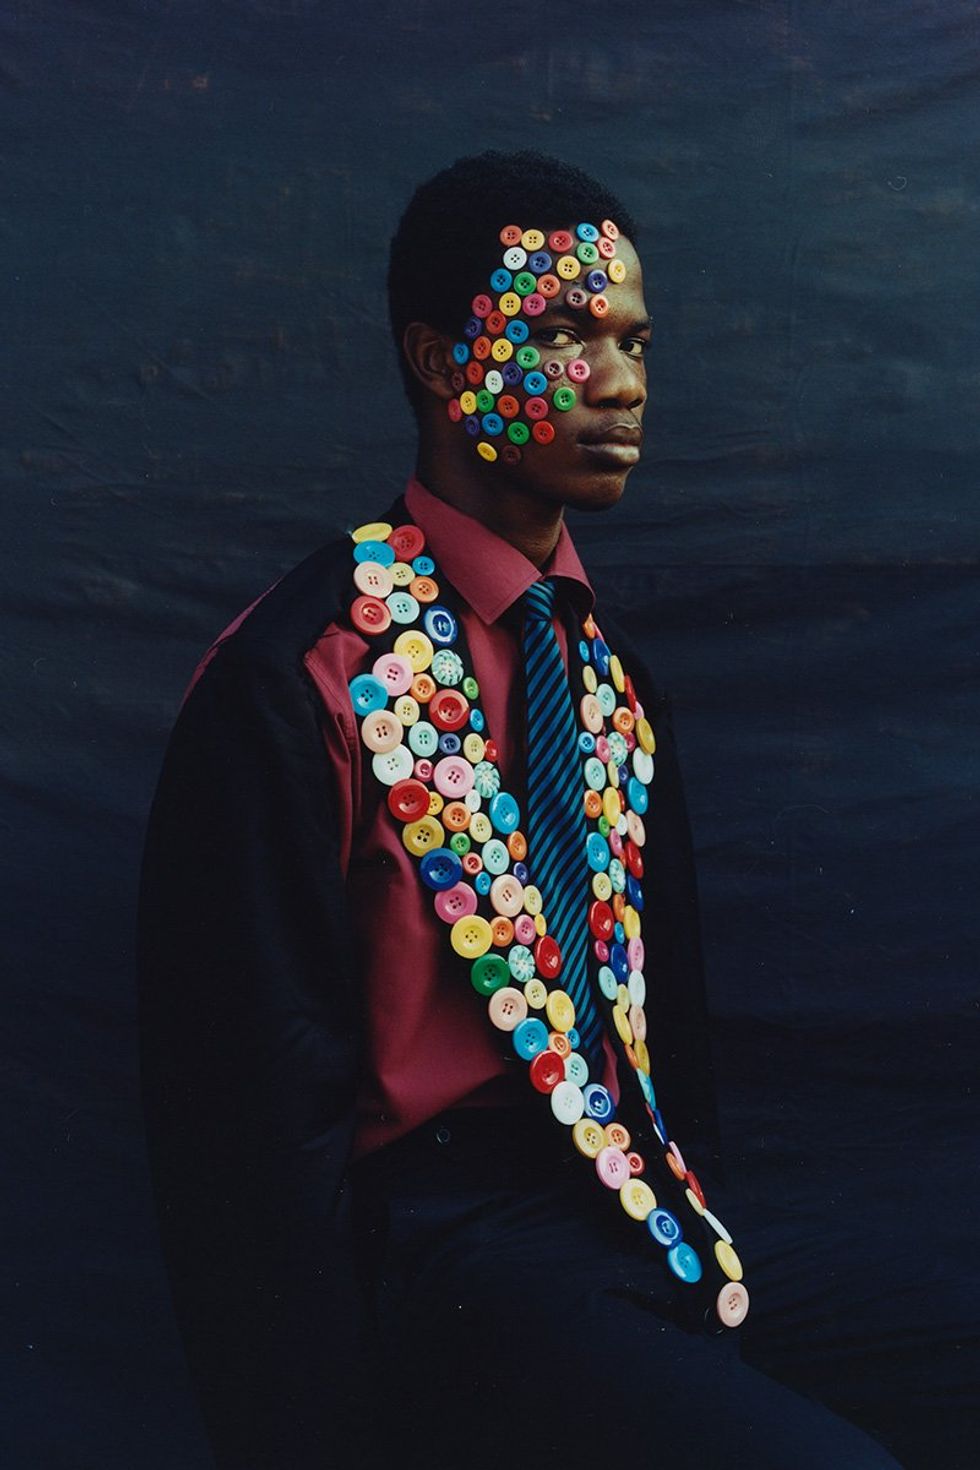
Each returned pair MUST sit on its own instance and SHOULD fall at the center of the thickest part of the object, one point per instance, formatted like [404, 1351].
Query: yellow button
[407, 709]
[373, 531]
[567, 267]
[588, 1137]
[642, 1055]
[486, 451]
[423, 836]
[481, 829]
[728, 1260]
[436, 803]
[616, 673]
[637, 1198]
[631, 922]
[501, 351]
[473, 747]
[616, 271]
[467, 402]
[471, 937]
[590, 679]
[612, 771]
[623, 998]
[560, 1010]
[416, 647]
[540, 925]
[401, 573]
[536, 993]
[532, 239]
[622, 1023]
[695, 1203]
[532, 899]
[645, 735]
[509, 303]
[602, 886]
[610, 805]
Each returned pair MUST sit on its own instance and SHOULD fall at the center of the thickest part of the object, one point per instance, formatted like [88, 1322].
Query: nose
[616, 380]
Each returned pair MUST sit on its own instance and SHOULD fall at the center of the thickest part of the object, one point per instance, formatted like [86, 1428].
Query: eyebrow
[560, 313]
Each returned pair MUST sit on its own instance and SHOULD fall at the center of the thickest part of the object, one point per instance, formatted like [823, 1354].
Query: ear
[430, 356]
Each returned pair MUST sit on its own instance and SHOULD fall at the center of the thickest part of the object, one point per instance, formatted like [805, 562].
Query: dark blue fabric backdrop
[198, 388]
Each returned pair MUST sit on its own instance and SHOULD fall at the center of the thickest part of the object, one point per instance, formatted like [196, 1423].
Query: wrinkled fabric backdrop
[198, 388]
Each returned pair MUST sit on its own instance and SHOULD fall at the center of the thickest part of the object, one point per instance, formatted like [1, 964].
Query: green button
[603, 825]
[587, 253]
[460, 843]
[489, 973]
[485, 401]
[527, 357]
[472, 689]
[525, 283]
[518, 432]
[564, 399]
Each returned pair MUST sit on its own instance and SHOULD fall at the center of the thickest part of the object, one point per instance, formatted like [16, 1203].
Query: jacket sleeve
[248, 1026]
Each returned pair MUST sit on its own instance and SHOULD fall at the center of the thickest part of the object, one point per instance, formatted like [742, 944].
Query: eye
[557, 337]
[636, 346]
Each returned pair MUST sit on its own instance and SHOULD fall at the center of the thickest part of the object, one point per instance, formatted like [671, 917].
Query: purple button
[616, 843]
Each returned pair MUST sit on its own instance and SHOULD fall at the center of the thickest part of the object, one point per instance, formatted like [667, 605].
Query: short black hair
[446, 242]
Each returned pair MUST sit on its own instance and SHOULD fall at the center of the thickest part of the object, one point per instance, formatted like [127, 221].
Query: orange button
[517, 846]
[623, 719]
[423, 589]
[456, 816]
[502, 931]
[593, 804]
[423, 688]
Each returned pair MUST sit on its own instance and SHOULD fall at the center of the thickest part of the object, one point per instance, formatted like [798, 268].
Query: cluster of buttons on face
[430, 748]
[499, 374]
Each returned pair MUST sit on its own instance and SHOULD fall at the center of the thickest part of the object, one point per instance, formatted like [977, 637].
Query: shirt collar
[490, 573]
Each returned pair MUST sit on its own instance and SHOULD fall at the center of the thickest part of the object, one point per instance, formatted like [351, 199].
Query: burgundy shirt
[428, 1045]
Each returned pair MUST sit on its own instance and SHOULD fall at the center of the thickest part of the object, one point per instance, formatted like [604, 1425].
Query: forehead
[587, 270]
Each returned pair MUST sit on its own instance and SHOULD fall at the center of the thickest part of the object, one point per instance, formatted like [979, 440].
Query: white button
[567, 1103]
[717, 1226]
[637, 987]
[393, 765]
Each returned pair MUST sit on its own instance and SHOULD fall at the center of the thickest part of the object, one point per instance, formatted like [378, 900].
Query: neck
[531, 525]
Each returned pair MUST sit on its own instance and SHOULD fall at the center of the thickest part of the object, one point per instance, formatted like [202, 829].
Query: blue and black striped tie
[556, 830]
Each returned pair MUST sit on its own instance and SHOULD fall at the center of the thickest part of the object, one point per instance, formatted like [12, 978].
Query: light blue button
[606, 695]
[608, 983]
[402, 606]
[583, 650]
[587, 232]
[496, 858]
[636, 795]
[530, 1037]
[493, 424]
[617, 875]
[521, 962]
[367, 694]
[378, 551]
[685, 1263]
[646, 1087]
[501, 280]
[423, 566]
[477, 721]
[595, 773]
[440, 624]
[482, 883]
[598, 1102]
[576, 1069]
[450, 743]
[586, 742]
[504, 812]
[573, 1037]
[516, 331]
[423, 738]
[461, 353]
[486, 777]
[447, 667]
[664, 1227]
[597, 852]
[617, 747]
[535, 383]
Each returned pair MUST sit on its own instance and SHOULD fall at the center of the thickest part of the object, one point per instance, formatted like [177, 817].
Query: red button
[449, 710]
[630, 693]
[490, 751]
[691, 1180]
[543, 432]
[408, 800]
[482, 306]
[536, 408]
[546, 1071]
[481, 348]
[474, 372]
[634, 858]
[635, 1162]
[560, 241]
[407, 542]
[547, 957]
[495, 323]
[601, 920]
[369, 615]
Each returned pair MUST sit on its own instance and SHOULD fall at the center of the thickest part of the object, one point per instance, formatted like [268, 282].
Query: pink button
[612, 1167]
[507, 895]
[456, 903]
[616, 843]
[602, 748]
[578, 371]
[371, 578]
[601, 951]
[453, 777]
[507, 1008]
[534, 304]
[536, 408]
[638, 1021]
[524, 930]
[422, 769]
[381, 732]
[635, 954]
[636, 829]
[394, 672]
[732, 1304]
[677, 1155]
[591, 712]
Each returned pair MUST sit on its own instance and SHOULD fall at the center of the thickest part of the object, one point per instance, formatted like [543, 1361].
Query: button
[501, 279]
[617, 1136]
[547, 958]
[402, 606]
[588, 1137]
[546, 1071]
[665, 1228]
[691, 1179]
[587, 252]
[646, 737]
[566, 1103]
[506, 895]
[482, 306]
[719, 1229]
[408, 800]
[471, 936]
[401, 573]
[449, 709]
[560, 240]
[560, 1008]
[456, 819]
[601, 920]
[423, 739]
[531, 1037]
[504, 812]
[532, 239]
[521, 962]
[507, 1007]
[367, 694]
[496, 858]
[597, 852]
[643, 770]
[517, 332]
[381, 731]
[637, 1022]
[616, 271]
[424, 589]
[374, 551]
[549, 286]
[489, 973]
[424, 836]
[578, 370]
[486, 451]
[394, 672]
[637, 1198]
[392, 765]
[728, 1260]
[515, 259]
[535, 304]
[564, 398]
[455, 903]
[535, 993]
[502, 931]
[612, 1168]
[543, 432]
[453, 777]
[602, 886]
[416, 647]
[369, 615]
[441, 869]
[732, 1304]
[480, 828]
[372, 531]
[598, 1103]
[510, 235]
[685, 1262]
[439, 624]
[567, 268]
[576, 298]
[635, 1162]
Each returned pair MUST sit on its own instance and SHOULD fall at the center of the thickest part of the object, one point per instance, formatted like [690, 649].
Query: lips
[617, 432]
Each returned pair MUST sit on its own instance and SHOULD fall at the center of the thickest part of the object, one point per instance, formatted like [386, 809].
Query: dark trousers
[524, 1320]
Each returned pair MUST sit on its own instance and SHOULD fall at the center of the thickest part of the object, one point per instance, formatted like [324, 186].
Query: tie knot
[539, 601]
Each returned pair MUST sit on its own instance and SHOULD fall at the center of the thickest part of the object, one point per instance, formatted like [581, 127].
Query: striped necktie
[556, 830]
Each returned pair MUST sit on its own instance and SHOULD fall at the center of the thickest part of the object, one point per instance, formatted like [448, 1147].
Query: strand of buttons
[495, 362]
[430, 748]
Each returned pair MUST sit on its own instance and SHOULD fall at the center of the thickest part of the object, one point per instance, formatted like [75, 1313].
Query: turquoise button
[619, 934]
[461, 353]
[573, 1037]
[482, 883]
[618, 749]
[530, 1037]
[496, 858]
[447, 668]
[597, 853]
[402, 606]
[646, 1087]
[423, 566]
[423, 738]
[486, 777]
[367, 694]
[517, 331]
[378, 551]
[606, 695]
[637, 796]
[576, 1069]
[504, 813]
[595, 773]
[586, 742]
[685, 1263]
[521, 962]
[477, 721]
[501, 280]
[617, 875]
[608, 983]
[587, 232]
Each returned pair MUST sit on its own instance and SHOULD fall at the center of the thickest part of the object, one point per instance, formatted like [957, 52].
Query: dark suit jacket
[251, 1031]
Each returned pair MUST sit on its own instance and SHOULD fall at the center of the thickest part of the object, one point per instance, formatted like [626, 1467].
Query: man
[423, 778]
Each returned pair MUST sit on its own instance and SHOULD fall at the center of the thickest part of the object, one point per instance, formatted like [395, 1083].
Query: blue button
[473, 327]
[511, 374]
[440, 869]
[450, 743]
[660, 1125]
[587, 232]
[477, 721]
[521, 874]
[539, 262]
[504, 812]
[636, 795]
[493, 424]
[619, 962]
[586, 742]
[598, 1102]
[535, 383]
[619, 933]
[634, 892]
[461, 353]
[597, 281]
[378, 551]
[530, 1037]
[600, 657]
[573, 1037]
[483, 883]
[623, 772]
[367, 694]
[472, 425]
[423, 566]
[501, 280]
[597, 852]
[685, 1263]
[516, 331]
[440, 624]
[664, 1227]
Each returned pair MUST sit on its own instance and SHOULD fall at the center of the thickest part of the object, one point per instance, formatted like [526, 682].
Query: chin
[600, 492]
